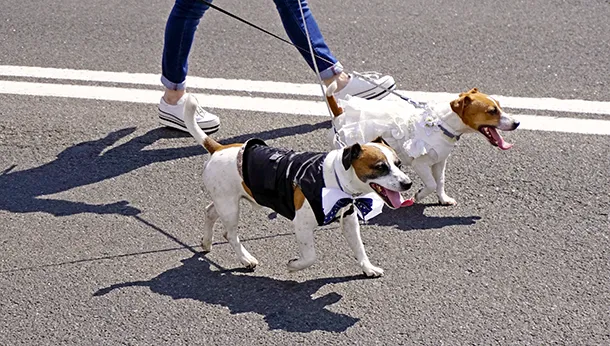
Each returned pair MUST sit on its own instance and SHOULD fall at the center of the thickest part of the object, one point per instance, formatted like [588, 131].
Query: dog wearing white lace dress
[423, 137]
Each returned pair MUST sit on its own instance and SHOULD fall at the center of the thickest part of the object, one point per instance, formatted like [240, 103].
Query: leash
[326, 99]
[332, 107]
[234, 16]
[315, 63]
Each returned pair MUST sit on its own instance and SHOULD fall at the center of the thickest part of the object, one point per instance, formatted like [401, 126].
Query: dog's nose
[516, 124]
[405, 186]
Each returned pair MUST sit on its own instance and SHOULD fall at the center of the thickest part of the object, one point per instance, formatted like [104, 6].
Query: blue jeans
[184, 19]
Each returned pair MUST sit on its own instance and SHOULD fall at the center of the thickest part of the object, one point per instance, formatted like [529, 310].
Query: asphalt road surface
[100, 208]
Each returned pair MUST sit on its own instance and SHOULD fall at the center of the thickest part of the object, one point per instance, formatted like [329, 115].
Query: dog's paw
[298, 264]
[372, 271]
[206, 245]
[249, 261]
[446, 200]
[292, 265]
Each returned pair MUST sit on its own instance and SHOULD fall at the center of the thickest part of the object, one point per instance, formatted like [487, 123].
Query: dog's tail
[332, 102]
[190, 109]
[331, 88]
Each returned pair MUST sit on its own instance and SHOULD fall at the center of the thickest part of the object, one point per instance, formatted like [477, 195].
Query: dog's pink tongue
[395, 198]
[498, 138]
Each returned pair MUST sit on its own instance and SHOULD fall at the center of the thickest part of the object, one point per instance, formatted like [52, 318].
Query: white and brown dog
[292, 184]
[422, 137]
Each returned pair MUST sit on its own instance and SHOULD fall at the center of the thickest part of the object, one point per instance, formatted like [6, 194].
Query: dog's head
[375, 166]
[482, 113]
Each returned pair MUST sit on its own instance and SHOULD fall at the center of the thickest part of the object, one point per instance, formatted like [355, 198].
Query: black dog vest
[271, 174]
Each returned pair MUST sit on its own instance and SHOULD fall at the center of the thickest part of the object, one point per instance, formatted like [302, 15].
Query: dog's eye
[382, 167]
[493, 111]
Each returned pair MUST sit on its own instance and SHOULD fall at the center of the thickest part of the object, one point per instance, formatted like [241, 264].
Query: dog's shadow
[285, 304]
[413, 218]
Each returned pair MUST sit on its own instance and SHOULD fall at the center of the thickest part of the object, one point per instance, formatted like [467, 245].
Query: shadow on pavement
[413, 217]
[95, 161]
[285, 304]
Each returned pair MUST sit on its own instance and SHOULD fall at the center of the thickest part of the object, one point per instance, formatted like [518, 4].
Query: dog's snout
[405, 185]
[516, 124]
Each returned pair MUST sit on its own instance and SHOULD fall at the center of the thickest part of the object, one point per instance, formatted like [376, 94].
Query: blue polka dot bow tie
[333, 200]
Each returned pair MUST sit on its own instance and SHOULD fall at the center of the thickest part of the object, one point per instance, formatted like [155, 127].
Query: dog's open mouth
[392, 199]
[492, 135]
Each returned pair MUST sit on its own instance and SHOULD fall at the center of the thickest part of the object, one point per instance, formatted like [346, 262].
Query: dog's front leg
[421, 166]
[304, 224]
[351, 230]
[438, 171]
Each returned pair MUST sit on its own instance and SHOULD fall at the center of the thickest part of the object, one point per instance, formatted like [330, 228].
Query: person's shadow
[95, 161]
[285, 304]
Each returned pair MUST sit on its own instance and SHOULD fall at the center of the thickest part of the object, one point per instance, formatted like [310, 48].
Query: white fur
[224, 184]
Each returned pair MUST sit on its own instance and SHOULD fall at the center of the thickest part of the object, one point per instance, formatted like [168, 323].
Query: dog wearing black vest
[298, 186]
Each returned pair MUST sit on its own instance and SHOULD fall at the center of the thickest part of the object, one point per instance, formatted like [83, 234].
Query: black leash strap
[260, 29]
[414, 103]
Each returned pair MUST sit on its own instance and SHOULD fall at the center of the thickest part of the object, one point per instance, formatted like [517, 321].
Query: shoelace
[201, 113]
[371, 74]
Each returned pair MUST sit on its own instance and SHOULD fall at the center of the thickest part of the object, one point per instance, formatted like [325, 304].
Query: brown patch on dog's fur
[212, 146]
[247, 189]
[334, 106]
[477, 109]
[299, 198]
[368, 158]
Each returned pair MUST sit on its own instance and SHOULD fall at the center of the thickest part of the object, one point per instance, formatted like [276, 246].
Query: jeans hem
[171, 85]
[332, 71]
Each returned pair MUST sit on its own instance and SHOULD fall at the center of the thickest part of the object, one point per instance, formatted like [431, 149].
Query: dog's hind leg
[229, 215]
[351, 231]
[211, 216]
[304, 224]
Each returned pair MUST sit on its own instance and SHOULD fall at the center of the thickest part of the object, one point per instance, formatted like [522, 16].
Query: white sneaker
[173, 116]
[367, 85]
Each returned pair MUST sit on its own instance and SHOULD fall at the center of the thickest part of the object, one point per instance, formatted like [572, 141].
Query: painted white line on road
[570, 125]
[549, 104]
[257, 104]
[268, 105]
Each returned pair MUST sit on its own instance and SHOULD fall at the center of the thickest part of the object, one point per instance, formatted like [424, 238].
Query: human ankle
[172, 97]
[342, 79]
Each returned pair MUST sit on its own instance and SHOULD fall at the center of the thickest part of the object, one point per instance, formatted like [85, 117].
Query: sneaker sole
[169, 120]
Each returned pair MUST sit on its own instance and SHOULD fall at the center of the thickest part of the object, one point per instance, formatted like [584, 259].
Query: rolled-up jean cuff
[334, 70]
[171, 85]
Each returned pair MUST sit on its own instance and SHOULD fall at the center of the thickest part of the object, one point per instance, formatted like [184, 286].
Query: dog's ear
[380, 140]
[461, 103]
[350, 154]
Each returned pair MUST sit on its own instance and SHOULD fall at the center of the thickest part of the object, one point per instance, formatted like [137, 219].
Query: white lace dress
[411, 131]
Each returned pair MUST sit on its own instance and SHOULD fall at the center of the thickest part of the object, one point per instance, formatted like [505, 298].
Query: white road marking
[549, 104]
[270, 105]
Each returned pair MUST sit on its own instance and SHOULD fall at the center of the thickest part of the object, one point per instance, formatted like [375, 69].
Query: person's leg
[329, 67]
[179, 35]
[290, 13]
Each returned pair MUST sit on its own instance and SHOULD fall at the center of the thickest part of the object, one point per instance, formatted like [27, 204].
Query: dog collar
[335, 166]
[448, 133]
